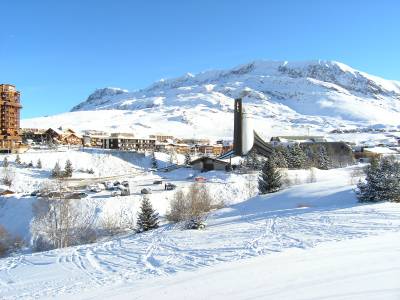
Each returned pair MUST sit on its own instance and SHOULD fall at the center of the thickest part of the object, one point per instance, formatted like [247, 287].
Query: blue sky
[58, 52]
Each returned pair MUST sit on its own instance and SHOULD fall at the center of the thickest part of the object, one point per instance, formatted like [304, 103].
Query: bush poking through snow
[8, 243]
[7, 175]
[148, 217]
[18, 160]
[39, 164]
[191, 207]
[382, 182]
[270, 179]
[154, 163]
[5, 163]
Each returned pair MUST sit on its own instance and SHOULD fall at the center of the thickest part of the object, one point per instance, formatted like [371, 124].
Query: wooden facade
[10, 107]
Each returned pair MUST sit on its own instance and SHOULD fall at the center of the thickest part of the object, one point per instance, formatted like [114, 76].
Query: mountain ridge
[282, 96]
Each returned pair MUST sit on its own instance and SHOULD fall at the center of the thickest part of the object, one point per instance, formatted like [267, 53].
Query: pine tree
[39, 164]
[18, 159]
[252, 161]
[297, 157]
[188, 159]
[68, 170]
[382, 182]
[154, 163]
[148, 217]
[279, 158]
[56, 172]
[30, 165]
[323, 159]
[270, 178]
[5, 162]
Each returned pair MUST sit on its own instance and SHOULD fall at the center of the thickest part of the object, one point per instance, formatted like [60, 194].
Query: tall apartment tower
[10, 106]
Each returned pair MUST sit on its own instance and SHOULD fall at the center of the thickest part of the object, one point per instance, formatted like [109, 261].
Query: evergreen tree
[56, 172]
[270, 178]
[154, 163]
[68, 169]
[30, 165]
[297, 157]
[148, 217]
[382, 182]
[323, 159]
[5, 162]
[39, 164]
[278, 158]
[252, 161]
[188, 159]
[18, 159]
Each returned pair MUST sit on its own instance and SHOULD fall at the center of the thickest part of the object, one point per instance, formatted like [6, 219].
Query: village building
[95, 141]
[127, 141]
[161, 137]
[10, 107]
[206, 163]
[293, 139]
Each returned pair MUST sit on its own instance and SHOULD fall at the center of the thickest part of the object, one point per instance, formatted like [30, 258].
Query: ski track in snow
[168, 250]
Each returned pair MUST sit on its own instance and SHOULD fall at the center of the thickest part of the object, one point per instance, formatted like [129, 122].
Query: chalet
[206, 149]
[206, 163]
[53, 136]
[70, 138]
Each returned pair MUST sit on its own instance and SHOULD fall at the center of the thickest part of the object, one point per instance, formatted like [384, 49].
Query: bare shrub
[286, 182]
[356, 175]
[312, 177]
[8, 243]
[58, 222]
[8, 176]
[191, 207]
[118, 222]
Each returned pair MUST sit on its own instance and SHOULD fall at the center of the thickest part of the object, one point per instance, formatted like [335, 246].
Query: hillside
[309, 241]
[284, 97]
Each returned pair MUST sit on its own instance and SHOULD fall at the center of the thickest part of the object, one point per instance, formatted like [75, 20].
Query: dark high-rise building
[10, 106]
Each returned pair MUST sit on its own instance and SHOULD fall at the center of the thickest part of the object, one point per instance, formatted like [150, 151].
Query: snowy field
[309, 241]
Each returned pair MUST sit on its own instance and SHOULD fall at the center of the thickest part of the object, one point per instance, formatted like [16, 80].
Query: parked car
[116, 183]
[54, 195]
[95, 188]
[169, 186]
[115, 193]
[109, 185]
[157, 182]
[125, 183]
[200, 179]
[35, 193]
[125, 192]
[145, 191]
[77, 195]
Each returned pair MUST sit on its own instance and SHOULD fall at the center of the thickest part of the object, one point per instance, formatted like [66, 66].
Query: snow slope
[283, 97]
[334, 270]
[303, 217]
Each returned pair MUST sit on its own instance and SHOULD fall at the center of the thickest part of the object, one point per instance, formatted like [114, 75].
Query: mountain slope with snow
[283, 97]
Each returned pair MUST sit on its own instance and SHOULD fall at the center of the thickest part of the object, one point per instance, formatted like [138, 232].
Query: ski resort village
[246, 179]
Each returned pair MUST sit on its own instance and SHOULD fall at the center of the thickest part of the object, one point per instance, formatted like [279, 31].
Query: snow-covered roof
[380, 150]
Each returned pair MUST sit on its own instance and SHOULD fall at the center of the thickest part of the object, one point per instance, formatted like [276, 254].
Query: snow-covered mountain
[283, 97]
